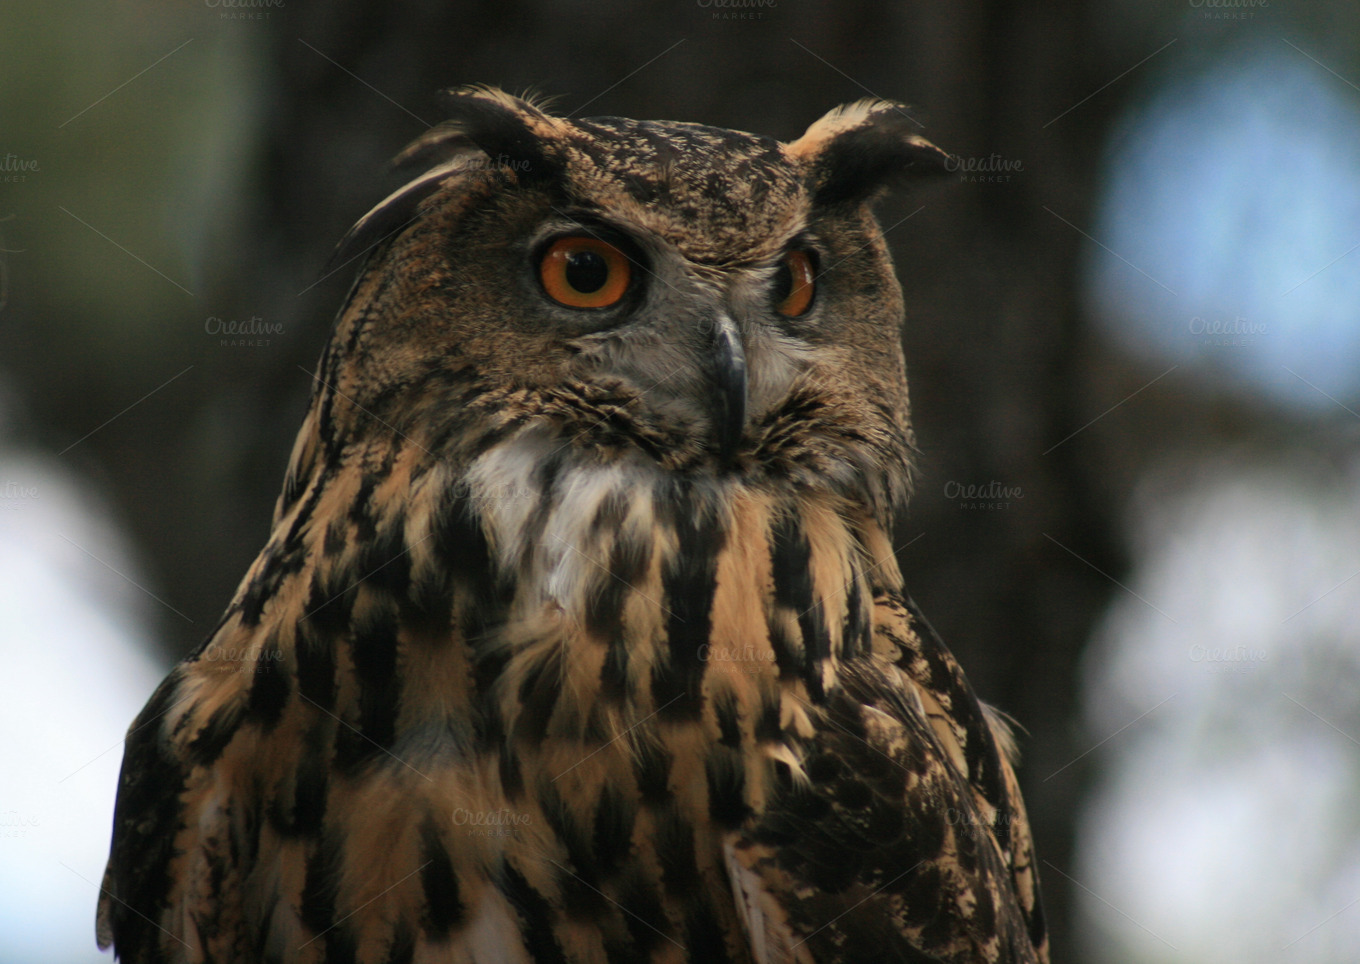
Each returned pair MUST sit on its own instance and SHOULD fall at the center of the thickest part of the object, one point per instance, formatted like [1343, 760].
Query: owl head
[679, 297]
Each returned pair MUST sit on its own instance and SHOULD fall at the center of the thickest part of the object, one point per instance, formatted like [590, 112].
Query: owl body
[579, 634]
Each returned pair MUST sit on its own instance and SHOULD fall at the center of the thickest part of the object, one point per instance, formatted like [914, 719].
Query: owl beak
[727, 406]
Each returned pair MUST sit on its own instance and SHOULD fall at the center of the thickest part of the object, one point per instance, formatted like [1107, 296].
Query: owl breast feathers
[579, 635]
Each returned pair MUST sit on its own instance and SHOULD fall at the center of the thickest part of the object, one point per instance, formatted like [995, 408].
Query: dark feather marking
[598, 728]
[461, 547]
[337, 537]
[340, 946]
[644, 914]
[856, 630]
[385, 560]
[581, 900]
[629, 558]
[310, 786]
[512, 777]
[578, 882]
[536, 928]
[570, 832]
[209, 742]
[324, 864]
[652, 770]
[244, 837]
[146, 819]
[360, 513]
[704, 939]
[444, 908]
[271, 687]
[309, 799]
[689, 582]
[791, 561]
[329, 605]
[427, 611]
[615, 815]
[788, 654]
[674, 844]
[209, 924]
[402, 950]
[262, 936]
[330, 599]
[351, 750]
[279, 564]
[373, 646]
[304, 515]
[545, 479]
[613, 509]
[538, 692]
[729, 718]
[726, 772]
[1038, 930]
[614, 671]
[490, 438]
[618, 949]
[768, 728]
[316, 670]
[488, 729]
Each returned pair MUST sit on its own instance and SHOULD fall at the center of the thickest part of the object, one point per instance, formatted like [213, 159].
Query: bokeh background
[1132, 339]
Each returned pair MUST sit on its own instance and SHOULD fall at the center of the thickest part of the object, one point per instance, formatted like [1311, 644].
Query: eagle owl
[578, 635]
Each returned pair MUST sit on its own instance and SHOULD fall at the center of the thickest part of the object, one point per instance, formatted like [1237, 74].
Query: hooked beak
[727, 406]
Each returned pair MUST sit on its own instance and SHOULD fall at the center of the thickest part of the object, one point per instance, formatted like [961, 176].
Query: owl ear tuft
[511, 131]
[857, 149]
[488, 130]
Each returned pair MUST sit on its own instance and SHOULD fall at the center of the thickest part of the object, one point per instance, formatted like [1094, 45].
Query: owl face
[700, 299]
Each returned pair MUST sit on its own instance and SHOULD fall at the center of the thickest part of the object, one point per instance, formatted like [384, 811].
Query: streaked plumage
[579, 635]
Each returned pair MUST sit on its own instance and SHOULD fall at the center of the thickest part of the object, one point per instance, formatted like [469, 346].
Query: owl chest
[629, 591]
[664, 638]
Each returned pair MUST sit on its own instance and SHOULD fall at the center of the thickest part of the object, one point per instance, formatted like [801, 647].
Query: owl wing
[904, 839]
[146, 821]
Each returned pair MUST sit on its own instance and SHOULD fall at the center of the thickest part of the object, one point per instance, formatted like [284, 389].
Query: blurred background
[1132, 339]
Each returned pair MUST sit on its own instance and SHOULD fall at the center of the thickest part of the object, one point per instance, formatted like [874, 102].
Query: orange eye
[584, 272]
[795, 284]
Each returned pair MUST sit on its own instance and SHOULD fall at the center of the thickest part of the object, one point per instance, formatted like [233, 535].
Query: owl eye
[583, 272]
[795, 284]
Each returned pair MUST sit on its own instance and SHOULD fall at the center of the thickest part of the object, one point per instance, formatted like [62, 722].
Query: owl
[578, 636]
